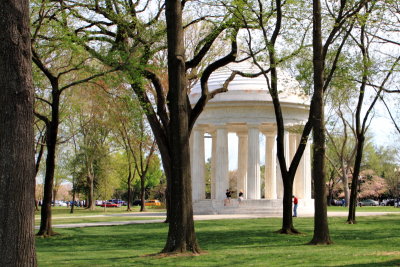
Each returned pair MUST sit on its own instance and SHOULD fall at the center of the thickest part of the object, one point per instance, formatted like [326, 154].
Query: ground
[374, 241]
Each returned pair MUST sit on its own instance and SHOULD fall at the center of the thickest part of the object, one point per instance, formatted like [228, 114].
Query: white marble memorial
[247, 110]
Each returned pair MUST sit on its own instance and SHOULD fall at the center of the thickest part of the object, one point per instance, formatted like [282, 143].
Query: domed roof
[249, 89]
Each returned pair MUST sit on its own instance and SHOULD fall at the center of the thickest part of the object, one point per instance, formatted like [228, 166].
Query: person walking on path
[295, 202]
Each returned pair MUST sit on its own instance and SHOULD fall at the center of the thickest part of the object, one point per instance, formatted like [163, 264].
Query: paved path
[161, 217]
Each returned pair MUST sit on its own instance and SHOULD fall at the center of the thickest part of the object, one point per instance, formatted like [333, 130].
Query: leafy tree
[127, 39]
[269, 18]
[342, 15]
[59, 64]
[362, 118]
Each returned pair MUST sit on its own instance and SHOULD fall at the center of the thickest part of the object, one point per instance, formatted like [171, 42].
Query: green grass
[374, 241]
[62, 215]
[64, 211]
[366, 209]
[82, 219]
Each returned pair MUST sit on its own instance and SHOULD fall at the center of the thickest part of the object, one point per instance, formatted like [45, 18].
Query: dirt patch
[388, 253]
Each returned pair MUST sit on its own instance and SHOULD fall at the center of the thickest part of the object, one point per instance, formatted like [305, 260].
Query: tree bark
[17, 161]
[351, 219]
[37, 165]
[181, 234]
[129, 187]
[321, 230]
[142, 193]
[90, 197]
[51, 142]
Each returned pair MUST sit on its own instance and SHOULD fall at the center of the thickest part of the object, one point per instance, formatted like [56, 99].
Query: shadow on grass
[381, 264]
[104, 238]
[227, 243]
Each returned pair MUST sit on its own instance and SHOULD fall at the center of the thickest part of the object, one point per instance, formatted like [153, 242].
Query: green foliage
[154, 175]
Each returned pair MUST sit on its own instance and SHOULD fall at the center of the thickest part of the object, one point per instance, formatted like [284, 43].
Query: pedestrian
[228, 197]
[240, 196]
[295, 203]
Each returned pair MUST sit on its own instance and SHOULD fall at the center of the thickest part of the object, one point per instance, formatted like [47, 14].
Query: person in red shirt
[295, 202]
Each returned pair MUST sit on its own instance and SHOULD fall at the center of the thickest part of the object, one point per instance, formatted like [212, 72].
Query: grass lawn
[65, 212]
[62, 215]
[366, 209]
[82, 219]
[374, 241]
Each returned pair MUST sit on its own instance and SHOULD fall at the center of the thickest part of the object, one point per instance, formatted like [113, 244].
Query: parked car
[59, 203]
[118, 201]
[152, 202]
[368, 202]
[336, 202]
[388, 202]
[110, 204]
[137, 202]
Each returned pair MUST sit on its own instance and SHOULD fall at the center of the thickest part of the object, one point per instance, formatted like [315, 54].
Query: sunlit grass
[366, 209]
[374, 241]
[65, 211]
[99, 219]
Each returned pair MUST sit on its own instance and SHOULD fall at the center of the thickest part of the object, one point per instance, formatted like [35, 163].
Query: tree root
[47, 234]
[320, 242]
[288, 231]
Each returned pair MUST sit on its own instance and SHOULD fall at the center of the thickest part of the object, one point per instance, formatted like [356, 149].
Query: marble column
[279, 182]
[299, 180]
[242, 163]
[198, 165]
[213, 157]
[270, 166]
[307, 172]
[221, 163]
[253, 163]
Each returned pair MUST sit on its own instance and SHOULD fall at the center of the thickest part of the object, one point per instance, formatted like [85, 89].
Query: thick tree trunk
[90, 198]
[321, 230]
[51, 142]
[181, 234]
[287, 219]
[351, 219]
[17, 164]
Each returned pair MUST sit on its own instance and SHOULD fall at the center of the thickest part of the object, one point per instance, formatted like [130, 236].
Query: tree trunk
[51, 142]
[321, 230]
[351, 219]
[142, 193]
[287, 219]
[129, 188]
[73, 197]
[90, 198]
[37, 165]
[345, 182]
[17, 164]
[181, 234]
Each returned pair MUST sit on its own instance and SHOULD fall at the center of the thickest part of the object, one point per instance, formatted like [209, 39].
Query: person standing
[240, 197]
[228, 197]
[295, 203]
